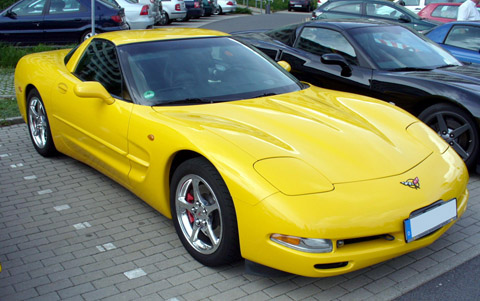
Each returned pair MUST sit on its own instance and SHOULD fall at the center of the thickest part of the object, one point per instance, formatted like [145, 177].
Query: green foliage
[8, 109]
[275, 5]
[6, 3]
[9, 54]
[243, 10]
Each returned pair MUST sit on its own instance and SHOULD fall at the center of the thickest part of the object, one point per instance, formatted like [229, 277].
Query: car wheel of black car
[38, 125]
[203, 213]
[87, 34]
[456, 127]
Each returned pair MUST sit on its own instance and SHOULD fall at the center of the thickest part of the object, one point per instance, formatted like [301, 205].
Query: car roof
[345, 24]
[123, 37]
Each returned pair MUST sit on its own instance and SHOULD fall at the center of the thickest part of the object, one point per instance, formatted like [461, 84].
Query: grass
[10, 54]
[8, 109]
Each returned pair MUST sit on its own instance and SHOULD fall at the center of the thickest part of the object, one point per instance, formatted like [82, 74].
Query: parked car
[137, 15]
[372, 9]
[57, 21]
[417, 5]
[208, 6]
[388, 61]
[245, 159]
[194, 9]
[174, 10]
[441, 12]
[306, 5]
[225, 6]
[155, 9]
[460, 38]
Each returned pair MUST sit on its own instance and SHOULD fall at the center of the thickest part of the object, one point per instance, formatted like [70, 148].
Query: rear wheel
[38, 125]
[88, 34]
[203, 213]
[456, 127]
[217, 10]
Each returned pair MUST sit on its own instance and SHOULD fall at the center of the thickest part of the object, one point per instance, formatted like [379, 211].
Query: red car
[442, 12]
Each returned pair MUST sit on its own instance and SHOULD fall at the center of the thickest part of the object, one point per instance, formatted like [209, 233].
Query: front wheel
[203, 213]
[217, 10]
[38, 125]
[456, 127]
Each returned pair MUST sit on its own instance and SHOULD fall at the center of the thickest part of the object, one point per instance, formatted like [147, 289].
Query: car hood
[466, 76]
[345, 137]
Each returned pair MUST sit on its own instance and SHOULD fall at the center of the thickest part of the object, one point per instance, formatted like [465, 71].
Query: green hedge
[6, 3]
[9, 54]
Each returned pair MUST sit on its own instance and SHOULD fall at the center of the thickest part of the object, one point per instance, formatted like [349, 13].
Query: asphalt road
[461, 283]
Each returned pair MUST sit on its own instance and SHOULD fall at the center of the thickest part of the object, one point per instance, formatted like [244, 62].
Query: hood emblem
[412, 183]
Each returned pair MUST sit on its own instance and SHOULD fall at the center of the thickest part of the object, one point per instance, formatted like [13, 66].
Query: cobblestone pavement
[6, 84]
[68, 232]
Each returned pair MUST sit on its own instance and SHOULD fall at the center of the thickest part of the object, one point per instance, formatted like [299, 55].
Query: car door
[23, 22]
[65, 20]
[340, 10]
[307, 65]
[93, 130]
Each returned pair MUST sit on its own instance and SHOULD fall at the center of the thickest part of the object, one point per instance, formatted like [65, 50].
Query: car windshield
[191, 71]
[397, 48]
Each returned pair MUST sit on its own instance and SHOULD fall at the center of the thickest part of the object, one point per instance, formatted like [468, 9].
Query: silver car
[174, 9]
[137, 16]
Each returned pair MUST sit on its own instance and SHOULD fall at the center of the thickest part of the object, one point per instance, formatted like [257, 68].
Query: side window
[384, 11]
[445, 11]
[412, 2]
[29, 8]
[100, 63]
[321, 41]
[353, 8]
[65, 6]
[467, 37]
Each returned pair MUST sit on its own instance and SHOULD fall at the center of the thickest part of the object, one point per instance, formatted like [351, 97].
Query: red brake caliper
[191, 218]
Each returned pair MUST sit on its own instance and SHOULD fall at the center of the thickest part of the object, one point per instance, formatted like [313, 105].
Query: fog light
[310, 245]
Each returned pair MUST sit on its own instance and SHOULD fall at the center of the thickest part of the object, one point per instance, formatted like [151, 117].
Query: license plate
[426, 220]
[297, 5]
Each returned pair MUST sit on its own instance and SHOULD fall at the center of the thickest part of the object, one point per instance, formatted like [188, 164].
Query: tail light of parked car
[196, 4]
[117, 19]
[177, 7]
[229, 3]
[144, 10]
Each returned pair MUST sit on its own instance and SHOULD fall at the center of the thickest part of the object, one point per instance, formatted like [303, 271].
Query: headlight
[309, 245]
[292, 176]
[425, 135]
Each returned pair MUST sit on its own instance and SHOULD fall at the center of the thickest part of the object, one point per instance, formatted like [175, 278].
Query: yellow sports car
[247, 161]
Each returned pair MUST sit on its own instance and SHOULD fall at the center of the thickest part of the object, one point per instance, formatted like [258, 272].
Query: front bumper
[363, 214]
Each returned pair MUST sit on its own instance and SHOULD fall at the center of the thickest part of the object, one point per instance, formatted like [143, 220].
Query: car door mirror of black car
[337, 59]
[404, 18]
[93, 90]
[11, 14]
[285, 65]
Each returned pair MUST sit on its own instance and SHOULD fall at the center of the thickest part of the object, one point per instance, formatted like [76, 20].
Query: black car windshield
[397, 48]
[205, 70]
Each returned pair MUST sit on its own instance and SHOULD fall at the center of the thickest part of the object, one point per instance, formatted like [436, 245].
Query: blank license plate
[424, 221]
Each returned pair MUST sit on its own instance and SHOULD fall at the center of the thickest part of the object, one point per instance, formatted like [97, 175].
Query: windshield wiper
[264, 95]
[188, 101]
[410, 69]
[446, 66]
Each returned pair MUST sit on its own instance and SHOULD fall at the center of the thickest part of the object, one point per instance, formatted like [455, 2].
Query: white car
[155, 9]
[174, 9]
[137, 16]
[225, 6]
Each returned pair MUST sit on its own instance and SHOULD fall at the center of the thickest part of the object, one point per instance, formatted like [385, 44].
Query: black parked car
[57, 21]
[372, 9]
[386, 61]
[194, 9]
[306, 5]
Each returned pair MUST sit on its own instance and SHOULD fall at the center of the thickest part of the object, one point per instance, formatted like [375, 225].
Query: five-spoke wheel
[38, 125]
[203, 213]
[456, 127]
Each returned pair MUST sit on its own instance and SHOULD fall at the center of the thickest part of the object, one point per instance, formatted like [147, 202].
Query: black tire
[218, 11]
[206, 226]
[38, 125]
[456, 127]
[165, 20]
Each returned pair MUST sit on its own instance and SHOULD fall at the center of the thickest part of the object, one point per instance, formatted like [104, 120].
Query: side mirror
[93, 90]
[285, 65]
[404, 18]
[337, 59]
[10, 14]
